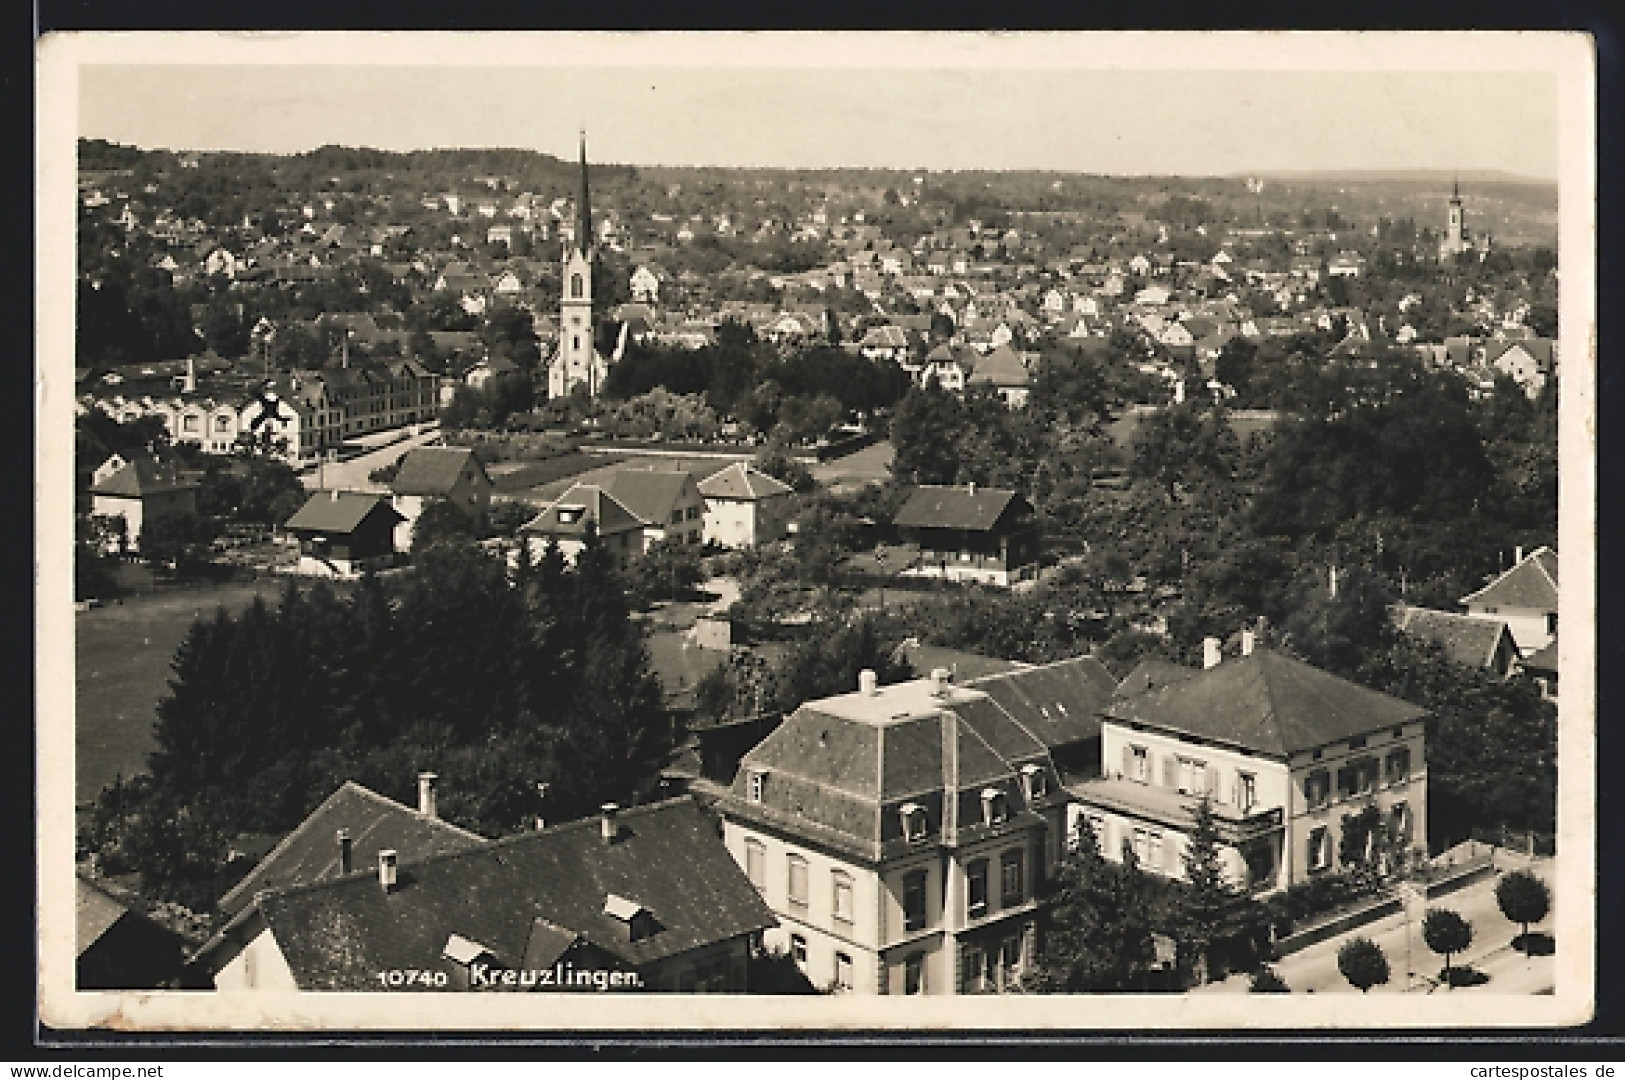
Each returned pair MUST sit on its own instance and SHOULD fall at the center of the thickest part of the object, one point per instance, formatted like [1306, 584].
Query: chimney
[1179, 392]
[939, 681]
[1517, 555]
[1210, 652]
[426, 801]
[868, 682]
[972, 487]
[387, 860]
[335, 494]
[1247, 642]
[191, 375]
[346, 852]
[1333, 590]
[608, 824]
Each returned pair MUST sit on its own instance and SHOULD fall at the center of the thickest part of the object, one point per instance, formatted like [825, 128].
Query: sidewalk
[1314, 969]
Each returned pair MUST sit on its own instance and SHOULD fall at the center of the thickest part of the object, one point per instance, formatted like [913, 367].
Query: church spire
[583, 205]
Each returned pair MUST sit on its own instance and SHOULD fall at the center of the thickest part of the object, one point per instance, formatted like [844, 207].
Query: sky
[877, 100]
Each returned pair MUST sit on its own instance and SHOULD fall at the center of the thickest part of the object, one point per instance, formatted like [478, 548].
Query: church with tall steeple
[576, 361]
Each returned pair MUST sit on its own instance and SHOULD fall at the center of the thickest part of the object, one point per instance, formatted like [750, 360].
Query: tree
[1362, 963]
[1208, 896]
[177, 539]
[441, 522]
[1446, 933]
[1097, 925]
[1523, 898]
[669, 570]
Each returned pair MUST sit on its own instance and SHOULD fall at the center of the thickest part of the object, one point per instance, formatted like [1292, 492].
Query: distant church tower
[1455, 232]
[575, 361]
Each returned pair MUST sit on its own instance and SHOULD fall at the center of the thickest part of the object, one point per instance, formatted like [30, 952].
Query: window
[693, 512]
[575, 342]
[1365, 776]
[756, 863]
[1137, 764]
[1320, 849]
[1551, 622]
[976, 888]
[1032, 778]
[843, 973]
[914, 974]
[1192, 776]
[1246, 791]
[914, 900]
[677, 516]
[222, 423]
[993, 808]
[1012, 887]
[1399, 824]
[1399, 765]
[798, 948]
[843, 896]
[757, 781]
[1317, 789]
[798, 880]
[973, 967]
[913, 822]
[1357, 743]
[189, 423]
[576, 286]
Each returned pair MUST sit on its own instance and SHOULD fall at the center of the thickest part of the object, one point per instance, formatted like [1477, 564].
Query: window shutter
[1212, 787]
[1170, 771]
[1128, 761]
[1170, 857]
[1235, 789]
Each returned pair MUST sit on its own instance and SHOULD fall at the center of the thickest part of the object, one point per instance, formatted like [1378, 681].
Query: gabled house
[344, 533]
[667, 501]
[143, 490]
[583, 508]
[1301, 769]
[970, 534]
[643, 899]
[119, 948]
[901, 835]
[1471, 642]
[744, 506]
[1524, 597]
[452, 473]
[1005, 372]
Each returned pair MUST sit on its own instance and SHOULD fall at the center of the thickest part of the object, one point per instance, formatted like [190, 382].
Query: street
[352, 475]
[1314, 969]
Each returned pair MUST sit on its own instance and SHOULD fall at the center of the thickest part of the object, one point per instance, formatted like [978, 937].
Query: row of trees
[527, 687]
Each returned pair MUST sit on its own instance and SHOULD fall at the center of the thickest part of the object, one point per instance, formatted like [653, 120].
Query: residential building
[1006, 373]
[344, 533]
[900, 834]
[1473, 642]
[647, 897]
[567, 520]
[744, 506]
[142, 491]
[426, 473]
[971, 534]
[666, 501]
[1290, 759]
[1524, 597]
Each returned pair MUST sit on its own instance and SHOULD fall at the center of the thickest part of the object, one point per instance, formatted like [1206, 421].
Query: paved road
[1315, 968]
[352, 475]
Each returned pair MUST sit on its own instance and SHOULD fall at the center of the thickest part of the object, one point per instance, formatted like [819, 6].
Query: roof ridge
[1272, 715]
[296, 832]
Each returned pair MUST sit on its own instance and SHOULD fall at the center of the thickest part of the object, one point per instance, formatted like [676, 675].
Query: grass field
[122, 654]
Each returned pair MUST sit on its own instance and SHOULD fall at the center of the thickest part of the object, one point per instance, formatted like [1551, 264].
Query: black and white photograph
[733, 530]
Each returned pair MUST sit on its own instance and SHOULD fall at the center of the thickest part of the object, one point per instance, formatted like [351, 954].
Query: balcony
[1175, 809]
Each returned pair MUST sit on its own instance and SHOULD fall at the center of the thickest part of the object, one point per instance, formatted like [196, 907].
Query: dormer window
[1033, 781]
[994, 811]
[570, 515]
[755, 784]
[914, 827]
[639, 920]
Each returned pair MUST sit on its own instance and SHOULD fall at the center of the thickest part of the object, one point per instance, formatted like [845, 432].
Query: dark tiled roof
[601, 509]
[143, 476]
[1267, 703]
[1058, 703]
[95, 911]
[740, 481]
[1466, 639]
[433, 470]
[668, 858]
[648, 493]
[343, 514]
[955, 507]
[1151, 673]
[1001, 367]
[311, 852]
[1530, 584]
[964, 667]
[1543, 659]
